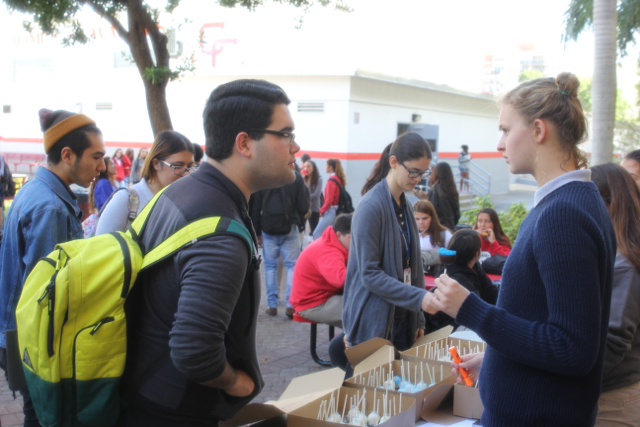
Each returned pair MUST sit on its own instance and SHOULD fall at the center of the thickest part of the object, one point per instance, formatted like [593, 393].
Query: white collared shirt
[582, 175]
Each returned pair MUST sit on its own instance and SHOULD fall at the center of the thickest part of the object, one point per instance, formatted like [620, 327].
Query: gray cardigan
[374, 272]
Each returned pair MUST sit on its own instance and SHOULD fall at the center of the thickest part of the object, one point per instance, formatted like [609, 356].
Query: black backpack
[276, 212]
[345, 205]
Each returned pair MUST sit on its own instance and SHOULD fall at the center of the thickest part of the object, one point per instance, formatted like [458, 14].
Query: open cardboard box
[301, 402]
[452, 403]
[440, 373]
[439, 349]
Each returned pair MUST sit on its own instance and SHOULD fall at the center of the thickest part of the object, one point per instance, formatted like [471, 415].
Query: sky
[435, 41]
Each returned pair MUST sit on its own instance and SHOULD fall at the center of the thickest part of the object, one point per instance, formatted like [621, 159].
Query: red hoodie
[495, 248]
[320, 272]
[331, 194]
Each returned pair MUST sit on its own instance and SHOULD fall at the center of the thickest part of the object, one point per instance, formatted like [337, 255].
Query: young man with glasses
[199, 309]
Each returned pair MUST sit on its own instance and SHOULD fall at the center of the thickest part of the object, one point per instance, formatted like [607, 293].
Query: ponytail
[336, 164]
[380, 170]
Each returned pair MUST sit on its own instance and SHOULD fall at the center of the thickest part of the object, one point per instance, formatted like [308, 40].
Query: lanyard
[407, 244]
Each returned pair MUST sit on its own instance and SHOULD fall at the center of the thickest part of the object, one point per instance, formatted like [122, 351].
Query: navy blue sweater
[547, 333]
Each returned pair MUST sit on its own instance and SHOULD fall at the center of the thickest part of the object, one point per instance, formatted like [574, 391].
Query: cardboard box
[452, 403]
[307, 415]
[442, 375]
[466, 402]
[439, 349]
[301, 402]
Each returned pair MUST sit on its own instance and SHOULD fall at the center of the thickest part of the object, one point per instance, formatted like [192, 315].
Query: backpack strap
[134, 203]
[198, 230]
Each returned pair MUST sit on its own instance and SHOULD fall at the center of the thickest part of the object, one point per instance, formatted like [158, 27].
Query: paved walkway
[283, 348]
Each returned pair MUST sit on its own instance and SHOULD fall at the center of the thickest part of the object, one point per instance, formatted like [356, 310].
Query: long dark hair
[435, 229]
[622, 197]
[409, 146]
[312, 180]
[467, 243]
[497, 228]
[443, 175]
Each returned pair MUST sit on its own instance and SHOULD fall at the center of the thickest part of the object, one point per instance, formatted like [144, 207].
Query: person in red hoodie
[494, 240]
[122, 162]
[329, 210]
[319, 276]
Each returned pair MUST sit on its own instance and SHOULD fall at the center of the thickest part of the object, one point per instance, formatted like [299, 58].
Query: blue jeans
[272, 247]
[326, 220]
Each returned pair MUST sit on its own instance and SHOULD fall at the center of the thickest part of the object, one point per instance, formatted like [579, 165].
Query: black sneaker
[289, 312]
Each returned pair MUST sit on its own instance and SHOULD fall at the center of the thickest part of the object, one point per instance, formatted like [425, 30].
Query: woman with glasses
[384, 289]
[170, 158]
[329, 211]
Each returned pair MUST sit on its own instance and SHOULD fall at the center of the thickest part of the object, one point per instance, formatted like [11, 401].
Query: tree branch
[124, 34]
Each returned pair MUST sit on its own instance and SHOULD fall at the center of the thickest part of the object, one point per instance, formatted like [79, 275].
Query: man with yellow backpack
[45, 212]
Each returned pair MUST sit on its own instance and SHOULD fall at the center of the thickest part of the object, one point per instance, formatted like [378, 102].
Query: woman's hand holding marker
[472, 363]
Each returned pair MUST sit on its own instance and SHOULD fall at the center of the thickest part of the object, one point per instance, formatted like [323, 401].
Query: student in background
[631, 163]
[547, 334]
[138, 164]
[619, 403]
[464, 163]
[329, 210]
[122, 163]
[313, 180]
[433, 235]
[321, 270]
[127, 170]
[170, 158]
[466, 270]
[105, 184]
[494, 240]
[444, 195]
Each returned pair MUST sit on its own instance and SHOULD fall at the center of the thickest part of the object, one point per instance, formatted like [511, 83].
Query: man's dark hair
[77, 140]
[198, 154]
[342, 224]
[305, 158]
[236, 107]
[466, 243]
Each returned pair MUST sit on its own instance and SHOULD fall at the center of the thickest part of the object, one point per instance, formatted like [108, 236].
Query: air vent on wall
[311, 107]
[104, 106]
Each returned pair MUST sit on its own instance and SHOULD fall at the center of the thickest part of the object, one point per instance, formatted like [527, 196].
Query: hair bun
[568, 83]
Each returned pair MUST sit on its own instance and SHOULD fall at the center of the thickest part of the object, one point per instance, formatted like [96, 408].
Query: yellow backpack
[72, 328]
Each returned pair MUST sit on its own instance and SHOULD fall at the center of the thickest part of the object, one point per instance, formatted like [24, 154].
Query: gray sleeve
[211, 276]
[318, 190]
[115, 215]
[625, 313]
[367, 228]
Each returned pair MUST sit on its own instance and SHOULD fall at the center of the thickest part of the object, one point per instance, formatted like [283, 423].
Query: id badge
[407, 276]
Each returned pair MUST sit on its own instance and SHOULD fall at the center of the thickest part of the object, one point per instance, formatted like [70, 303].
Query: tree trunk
[604, 85]
[141, 29]
[157, 107]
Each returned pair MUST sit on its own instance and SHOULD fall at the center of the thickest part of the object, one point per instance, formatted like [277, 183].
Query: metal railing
[479, 179]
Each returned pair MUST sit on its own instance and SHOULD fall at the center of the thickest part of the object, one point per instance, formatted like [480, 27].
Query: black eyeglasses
[290, 135]
[413, 174]
[180, 170]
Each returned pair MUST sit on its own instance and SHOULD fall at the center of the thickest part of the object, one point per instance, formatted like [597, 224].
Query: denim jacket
[43, 214]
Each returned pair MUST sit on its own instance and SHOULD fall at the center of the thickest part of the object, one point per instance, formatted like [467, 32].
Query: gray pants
[330, 312]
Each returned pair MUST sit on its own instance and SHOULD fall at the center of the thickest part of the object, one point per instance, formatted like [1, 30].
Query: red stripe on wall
[474, 154]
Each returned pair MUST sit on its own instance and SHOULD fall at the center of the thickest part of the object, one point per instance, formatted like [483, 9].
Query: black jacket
[475, 280]
[447, 206]
[201, 304]
[299, 201]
